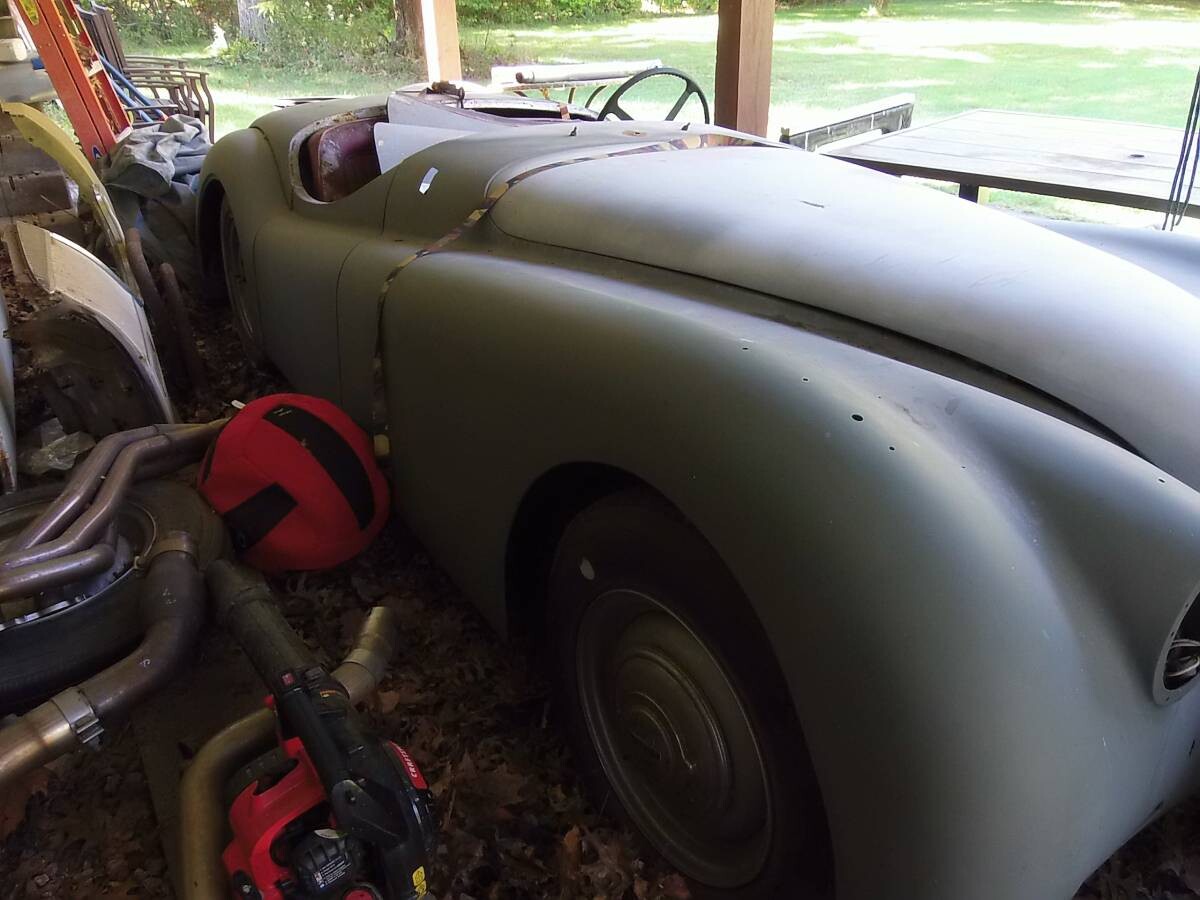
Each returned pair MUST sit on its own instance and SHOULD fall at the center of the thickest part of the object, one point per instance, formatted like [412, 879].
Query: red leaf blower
[333, 813]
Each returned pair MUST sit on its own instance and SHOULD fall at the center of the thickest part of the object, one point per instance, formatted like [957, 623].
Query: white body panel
[78, 278]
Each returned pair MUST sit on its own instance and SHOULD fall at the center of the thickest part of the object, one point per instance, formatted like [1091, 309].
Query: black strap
[333, 453]
[252, 519]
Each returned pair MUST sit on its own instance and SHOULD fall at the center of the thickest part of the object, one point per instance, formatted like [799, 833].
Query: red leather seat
[340, 159]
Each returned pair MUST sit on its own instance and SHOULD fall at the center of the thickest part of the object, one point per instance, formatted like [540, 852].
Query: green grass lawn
[1115, 59]
[1120, 60]
[1132, 61]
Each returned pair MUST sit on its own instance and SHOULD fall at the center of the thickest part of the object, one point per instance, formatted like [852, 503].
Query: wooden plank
[1151, 139]
[1113, 145]
[998, 160]
[1114, 135]
[443, 61]
[1058, 156]
[1017, 126]
[745, 30]
[1128, 195]
[1072, 124]
[948, 167]
[1083, 166]
[1113, 154]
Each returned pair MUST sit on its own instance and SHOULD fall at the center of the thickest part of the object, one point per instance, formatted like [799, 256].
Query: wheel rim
[135, 535]
[674, 738]
[235, 275]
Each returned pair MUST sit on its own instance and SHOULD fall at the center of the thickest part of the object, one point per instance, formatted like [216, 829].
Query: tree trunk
[410, 34]
[252, 24]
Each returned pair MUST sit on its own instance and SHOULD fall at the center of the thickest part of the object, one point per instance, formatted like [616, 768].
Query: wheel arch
[241, 167]
[556, 497]
[549, 504]
[208, 241]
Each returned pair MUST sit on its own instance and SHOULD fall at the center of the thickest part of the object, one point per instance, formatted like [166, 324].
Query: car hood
[1100, 333]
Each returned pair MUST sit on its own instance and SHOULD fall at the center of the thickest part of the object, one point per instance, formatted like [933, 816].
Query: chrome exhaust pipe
[105, 488]
[80, 488]
[172, 606]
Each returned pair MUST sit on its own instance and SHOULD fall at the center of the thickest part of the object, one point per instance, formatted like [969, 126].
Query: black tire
[40, 658]
[658, 658]
[213, 291]
[236, 285]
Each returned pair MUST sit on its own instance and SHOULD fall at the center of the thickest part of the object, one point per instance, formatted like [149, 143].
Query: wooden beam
[443, 62]
[744, 37]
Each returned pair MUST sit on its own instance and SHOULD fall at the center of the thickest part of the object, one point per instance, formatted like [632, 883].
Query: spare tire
[84, 628]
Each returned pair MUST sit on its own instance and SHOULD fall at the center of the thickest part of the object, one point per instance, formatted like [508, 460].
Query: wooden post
[410, 32]
[442, 59]
[252, 24]
[744, 36]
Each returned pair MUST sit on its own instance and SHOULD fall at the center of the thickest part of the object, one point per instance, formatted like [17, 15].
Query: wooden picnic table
[1059, 156]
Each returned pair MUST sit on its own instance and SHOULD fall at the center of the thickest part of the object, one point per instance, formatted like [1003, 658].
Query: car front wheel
[676, 708]
[237, 287]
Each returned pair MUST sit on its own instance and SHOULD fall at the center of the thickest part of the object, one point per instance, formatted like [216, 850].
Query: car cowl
[1099, 333]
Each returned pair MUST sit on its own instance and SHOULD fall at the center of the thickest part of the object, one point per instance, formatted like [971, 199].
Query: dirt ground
[473, 711]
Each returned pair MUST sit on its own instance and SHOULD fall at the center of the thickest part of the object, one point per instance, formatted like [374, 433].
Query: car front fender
[240, 167]
[968, 598]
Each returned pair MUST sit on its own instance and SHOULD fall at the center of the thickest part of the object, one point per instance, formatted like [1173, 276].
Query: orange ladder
[77, 72]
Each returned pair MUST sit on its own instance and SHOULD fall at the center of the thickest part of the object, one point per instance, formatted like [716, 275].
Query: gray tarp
[150, 158]
[150, 177]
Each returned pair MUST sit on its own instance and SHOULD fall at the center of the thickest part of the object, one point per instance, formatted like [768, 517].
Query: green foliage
[512, 11]
[676, 7]
[322, 36]
[172, 20]
[334, 32]
[241, 52]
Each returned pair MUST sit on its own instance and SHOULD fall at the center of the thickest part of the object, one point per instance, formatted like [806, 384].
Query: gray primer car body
[950, 456]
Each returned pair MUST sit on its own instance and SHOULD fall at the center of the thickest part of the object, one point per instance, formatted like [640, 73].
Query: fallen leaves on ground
[15, 799]
[91, 833]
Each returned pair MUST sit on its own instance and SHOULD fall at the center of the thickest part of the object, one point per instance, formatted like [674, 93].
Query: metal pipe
[31, 579]
[172, 608]
[156, 310]
[41, 735]
[85, 528]
[185, 337]
[365, 665]
[164, 465]
[203, 876]
[104, 505]
[176, 459]
[79, 490]
[172, 604]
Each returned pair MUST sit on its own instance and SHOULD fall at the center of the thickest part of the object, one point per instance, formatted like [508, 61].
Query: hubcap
[235, 274]
[674, 738]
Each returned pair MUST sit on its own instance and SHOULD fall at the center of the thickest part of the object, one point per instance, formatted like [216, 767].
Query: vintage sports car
[861, 524]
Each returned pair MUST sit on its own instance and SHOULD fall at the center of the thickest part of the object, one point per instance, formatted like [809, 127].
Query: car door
[300, 258]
